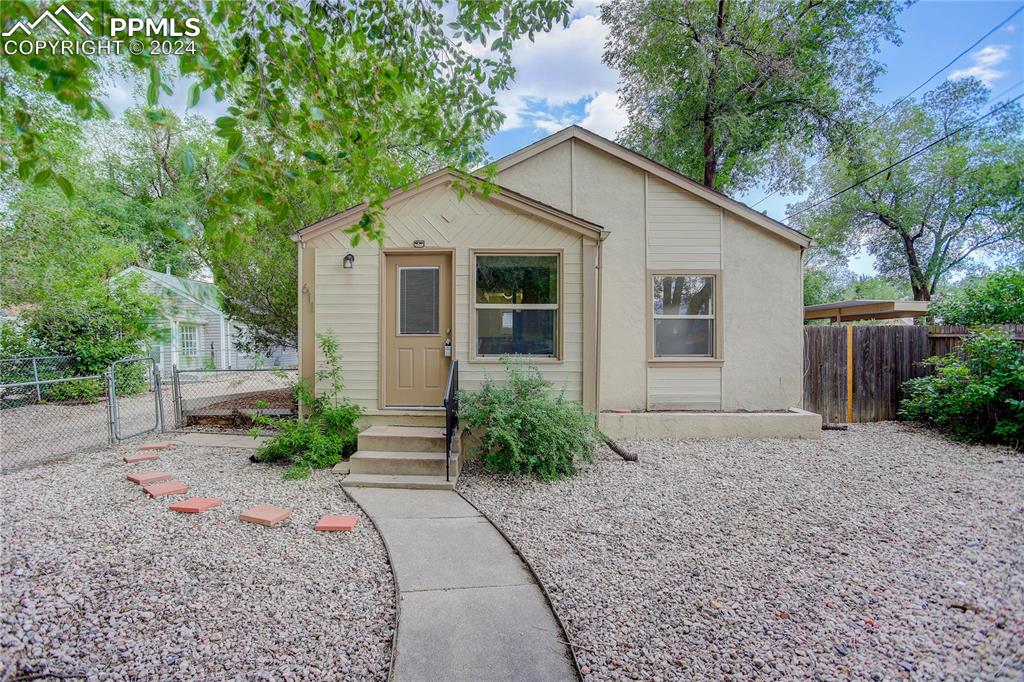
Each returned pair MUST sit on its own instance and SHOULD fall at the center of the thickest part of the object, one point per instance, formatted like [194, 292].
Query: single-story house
[199, 334]
[667, 308]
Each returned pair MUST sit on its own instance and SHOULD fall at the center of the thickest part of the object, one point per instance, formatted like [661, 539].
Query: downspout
[223, 344]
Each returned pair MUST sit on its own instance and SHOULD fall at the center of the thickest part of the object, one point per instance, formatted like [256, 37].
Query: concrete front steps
[402, 457]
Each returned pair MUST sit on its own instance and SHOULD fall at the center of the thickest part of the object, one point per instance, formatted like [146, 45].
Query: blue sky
[561, 80]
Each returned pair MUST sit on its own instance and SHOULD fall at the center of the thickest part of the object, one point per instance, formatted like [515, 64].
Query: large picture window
[516, 304]
[684, 316]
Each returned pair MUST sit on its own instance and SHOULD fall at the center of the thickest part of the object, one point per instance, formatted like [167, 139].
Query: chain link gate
[136, 398]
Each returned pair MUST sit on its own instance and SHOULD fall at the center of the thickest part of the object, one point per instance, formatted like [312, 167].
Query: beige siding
[666, 227]
[684, 388]
[347, 300]
[683, 231]
[611, 194]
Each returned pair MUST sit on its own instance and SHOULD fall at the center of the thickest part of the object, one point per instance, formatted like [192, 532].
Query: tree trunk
[917, 280]
[710, 152]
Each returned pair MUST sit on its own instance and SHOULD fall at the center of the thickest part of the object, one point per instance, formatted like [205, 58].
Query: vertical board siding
[682, 231]
[347, 301]
[684, 388]
[883, 358]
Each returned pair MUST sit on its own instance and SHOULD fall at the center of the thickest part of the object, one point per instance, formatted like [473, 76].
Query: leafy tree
[995, 299]
[821, 286]
[134, 209]
[346, 95]
[932, 216]
[729, 93]
[867, 287]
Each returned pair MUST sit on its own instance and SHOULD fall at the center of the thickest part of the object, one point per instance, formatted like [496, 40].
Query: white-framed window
[189, 335]
[516, 304]
[419, 291]
[683, 308]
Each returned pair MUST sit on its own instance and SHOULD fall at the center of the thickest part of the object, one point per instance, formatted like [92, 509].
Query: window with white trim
[189, 335]
[684, 316]
[516, 305]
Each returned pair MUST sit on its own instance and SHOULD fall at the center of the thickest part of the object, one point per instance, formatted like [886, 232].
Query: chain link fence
[50, 408]
[228, 399]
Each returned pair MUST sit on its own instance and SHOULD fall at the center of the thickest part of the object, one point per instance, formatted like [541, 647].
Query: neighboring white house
[200, 335]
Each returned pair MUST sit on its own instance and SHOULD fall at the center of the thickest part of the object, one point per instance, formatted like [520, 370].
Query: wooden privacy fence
[854, 373]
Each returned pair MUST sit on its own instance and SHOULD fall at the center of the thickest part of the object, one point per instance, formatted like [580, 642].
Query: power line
[908, 157]
[907, 96]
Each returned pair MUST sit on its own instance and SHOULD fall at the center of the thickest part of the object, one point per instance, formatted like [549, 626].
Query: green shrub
[93, 327]
[523, 430]
[327, 434]
[976, 394]
[997, 298]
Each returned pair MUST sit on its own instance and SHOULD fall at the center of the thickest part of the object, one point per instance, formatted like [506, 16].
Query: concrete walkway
[469, 609]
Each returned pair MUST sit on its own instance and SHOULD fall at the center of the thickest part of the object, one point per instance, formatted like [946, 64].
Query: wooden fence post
[849, 374]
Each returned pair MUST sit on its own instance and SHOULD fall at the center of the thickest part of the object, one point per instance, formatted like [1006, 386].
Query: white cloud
[984, 67]
[1010, 28]
[604, 115]
[559, 69]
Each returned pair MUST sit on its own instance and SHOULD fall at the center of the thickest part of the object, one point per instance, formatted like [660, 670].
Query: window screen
[418, 291]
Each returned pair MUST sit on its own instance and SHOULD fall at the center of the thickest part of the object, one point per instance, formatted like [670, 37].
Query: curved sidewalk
[469, 609]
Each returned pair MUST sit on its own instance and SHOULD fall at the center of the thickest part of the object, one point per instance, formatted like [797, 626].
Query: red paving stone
[336, 522]
[195, 505]
[147, 477]
[266, 515]
[165, 488]
[140, 457]
[163, 445]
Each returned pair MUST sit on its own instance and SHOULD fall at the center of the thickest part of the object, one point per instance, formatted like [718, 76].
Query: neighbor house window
[684, 316]
[189, 340]
[516, 304]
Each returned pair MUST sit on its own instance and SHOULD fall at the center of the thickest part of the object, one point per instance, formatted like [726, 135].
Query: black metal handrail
[451, 415]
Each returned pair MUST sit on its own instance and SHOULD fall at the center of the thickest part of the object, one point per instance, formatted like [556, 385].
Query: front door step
[395, 481]
[404, 439]
[402, 463]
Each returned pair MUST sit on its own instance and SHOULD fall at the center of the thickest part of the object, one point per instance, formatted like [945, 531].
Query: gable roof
[656, 169]
[203, 293]
[504, 196]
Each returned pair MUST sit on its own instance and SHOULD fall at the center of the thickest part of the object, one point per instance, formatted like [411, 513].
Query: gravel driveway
[883, 552]
[100, 581]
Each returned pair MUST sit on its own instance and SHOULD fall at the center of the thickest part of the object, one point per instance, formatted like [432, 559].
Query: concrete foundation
[792, 423]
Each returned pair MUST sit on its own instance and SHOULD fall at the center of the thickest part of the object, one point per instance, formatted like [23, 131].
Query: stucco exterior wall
[655, 226]
[606, 191]
[347, 301]
[763, 307]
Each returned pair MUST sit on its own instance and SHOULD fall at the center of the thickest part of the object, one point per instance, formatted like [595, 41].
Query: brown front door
[418, 296]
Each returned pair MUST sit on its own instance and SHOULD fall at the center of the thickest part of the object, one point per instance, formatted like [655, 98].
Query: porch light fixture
[349, 261]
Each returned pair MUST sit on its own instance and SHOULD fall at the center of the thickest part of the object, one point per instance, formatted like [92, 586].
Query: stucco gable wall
[654, 226]
[763, 279]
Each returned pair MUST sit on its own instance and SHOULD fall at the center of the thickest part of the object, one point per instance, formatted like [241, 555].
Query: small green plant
[976, 394]
[523, 430]
[328, 433]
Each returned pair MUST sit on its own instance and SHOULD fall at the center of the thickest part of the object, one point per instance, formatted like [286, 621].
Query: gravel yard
[100, 581]
[883, 552]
